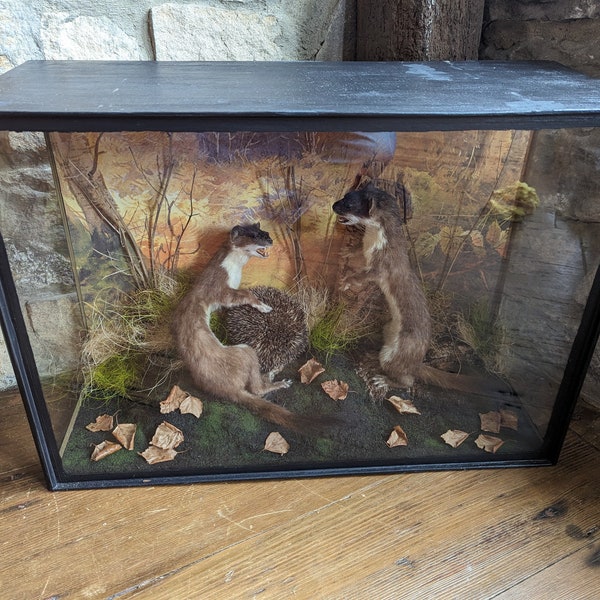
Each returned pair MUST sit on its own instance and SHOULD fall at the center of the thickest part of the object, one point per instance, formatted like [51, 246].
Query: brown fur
[406, 337]
[229, 372]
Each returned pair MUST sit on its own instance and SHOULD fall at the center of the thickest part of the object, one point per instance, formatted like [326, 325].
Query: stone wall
[559, 30]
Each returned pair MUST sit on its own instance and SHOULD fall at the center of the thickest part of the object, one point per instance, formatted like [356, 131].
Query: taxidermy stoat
[407, 335]
[230, 372]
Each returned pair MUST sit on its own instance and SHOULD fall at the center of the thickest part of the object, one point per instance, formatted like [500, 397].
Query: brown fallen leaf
[497, 238]
[397, 437]
[490, 421]
[276, 443]
[509, 419]
[310, 370]
[102, 423]
[489, 443]
[173, 400]
[153, 454]
[404, 407]
[191, 405]
[167, 436]
[104, 449]
[476, 238]
[125, 434]
[336, 390]
[454, 437]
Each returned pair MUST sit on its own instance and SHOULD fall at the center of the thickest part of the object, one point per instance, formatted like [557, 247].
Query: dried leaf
[490, 421]
[167, 436]
[102, 423]
[397, 437]
[104, 449]
[494, 233]
[509, 419]
[336, 390]
[489, 443]
[153, 454]
[426, 243]
[454, 437]
[310, 370]
[276, 443]
[451, 238]
[125, 433]
[404, 407]
[476, 238]
[497, 238]
[191, 405]
[173, 400]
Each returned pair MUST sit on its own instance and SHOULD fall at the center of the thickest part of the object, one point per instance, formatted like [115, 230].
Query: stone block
[544, 10]
[571, 43]
[67, 37]
[303, 30]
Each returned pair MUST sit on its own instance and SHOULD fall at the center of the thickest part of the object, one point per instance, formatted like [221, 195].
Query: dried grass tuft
[124, 336]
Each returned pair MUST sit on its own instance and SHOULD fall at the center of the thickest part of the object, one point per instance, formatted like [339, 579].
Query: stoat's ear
[372, 204]
[235, 233]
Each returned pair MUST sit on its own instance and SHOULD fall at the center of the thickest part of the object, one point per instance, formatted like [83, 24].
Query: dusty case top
[229, 96]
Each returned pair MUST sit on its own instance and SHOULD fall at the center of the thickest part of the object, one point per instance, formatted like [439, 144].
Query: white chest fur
[373, 239]
[233, 264]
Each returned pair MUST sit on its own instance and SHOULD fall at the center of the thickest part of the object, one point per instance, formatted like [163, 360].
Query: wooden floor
[502, 534]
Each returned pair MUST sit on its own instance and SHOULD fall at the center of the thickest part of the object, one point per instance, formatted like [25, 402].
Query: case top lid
[232, 96]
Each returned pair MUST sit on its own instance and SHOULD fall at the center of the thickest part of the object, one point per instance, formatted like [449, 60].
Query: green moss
[115, 376]
[331, 334]
[150, 304]
[515, 201]
[485, 335]
[324, 447]
[217, 326]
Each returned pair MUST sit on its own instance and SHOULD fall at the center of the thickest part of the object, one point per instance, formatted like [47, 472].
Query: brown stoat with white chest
[407, 335]
[229, 372]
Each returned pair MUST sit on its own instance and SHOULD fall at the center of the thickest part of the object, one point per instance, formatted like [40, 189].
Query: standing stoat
[230, 372]
[407, 335]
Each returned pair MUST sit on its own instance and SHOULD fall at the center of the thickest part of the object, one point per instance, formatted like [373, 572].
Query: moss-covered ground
[228, 438]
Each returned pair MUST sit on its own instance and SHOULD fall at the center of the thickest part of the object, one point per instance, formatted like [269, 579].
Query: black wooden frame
[68, 96]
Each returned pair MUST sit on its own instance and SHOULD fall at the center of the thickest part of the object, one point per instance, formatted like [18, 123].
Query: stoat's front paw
[263, 308]
[353, 283]
[380, 382]
[285, 383]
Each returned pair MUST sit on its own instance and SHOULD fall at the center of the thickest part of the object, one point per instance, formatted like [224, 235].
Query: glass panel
[436, 302]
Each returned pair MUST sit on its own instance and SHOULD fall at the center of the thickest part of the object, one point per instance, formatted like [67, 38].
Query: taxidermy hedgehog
[278, 337]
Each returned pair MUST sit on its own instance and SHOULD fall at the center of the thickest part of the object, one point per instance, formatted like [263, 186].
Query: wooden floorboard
[493, 534]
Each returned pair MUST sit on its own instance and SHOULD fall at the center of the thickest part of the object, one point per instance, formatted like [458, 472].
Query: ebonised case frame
[69, 96]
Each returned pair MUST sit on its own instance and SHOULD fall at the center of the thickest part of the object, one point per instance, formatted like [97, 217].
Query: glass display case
[300, 269]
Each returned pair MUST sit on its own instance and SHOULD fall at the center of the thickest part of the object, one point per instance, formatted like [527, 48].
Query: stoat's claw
[264, 308]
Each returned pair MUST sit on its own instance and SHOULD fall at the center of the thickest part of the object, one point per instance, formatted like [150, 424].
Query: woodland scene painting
[237, 316]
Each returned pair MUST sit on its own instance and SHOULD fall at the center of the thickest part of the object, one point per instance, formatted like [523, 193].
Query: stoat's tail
[279, 415]
[462, 383]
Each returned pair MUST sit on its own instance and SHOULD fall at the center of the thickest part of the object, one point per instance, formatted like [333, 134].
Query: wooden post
[418, 29]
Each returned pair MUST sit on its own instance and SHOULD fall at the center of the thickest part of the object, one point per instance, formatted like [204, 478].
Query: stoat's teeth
[263, 252]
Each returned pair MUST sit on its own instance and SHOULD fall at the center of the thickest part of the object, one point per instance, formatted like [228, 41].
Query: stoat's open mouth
[263, 252]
